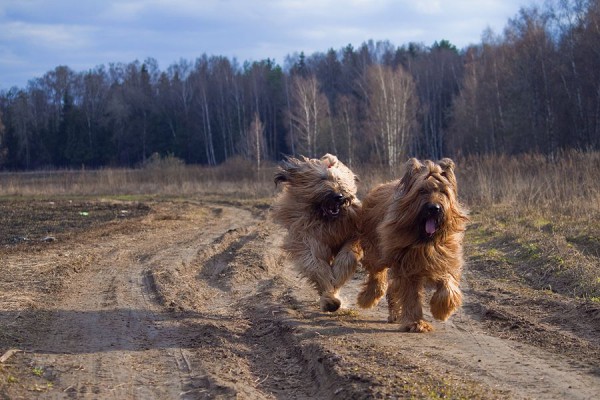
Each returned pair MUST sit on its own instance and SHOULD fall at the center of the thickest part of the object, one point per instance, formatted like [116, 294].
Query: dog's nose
[434, 208]
[340, 198]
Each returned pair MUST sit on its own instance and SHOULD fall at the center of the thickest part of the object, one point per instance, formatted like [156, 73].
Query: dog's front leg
[315, 267]
[446, 299]
[375, 286]
[393, 299]
[405, 294]
[344, 263]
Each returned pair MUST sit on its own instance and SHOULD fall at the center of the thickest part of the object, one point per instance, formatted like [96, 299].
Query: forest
[534, 88]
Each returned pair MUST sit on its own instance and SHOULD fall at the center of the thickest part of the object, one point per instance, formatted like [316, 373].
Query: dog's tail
[373, 289]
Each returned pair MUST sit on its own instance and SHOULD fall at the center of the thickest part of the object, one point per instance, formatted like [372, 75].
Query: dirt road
[193, 300]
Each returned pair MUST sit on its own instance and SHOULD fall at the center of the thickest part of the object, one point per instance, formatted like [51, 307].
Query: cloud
[428, 7]
[10, 58]
[123, 11]
[46, 35]
[82, 34]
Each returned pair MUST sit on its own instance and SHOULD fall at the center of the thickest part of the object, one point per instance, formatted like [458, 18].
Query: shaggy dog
[319, 208]
[414, 226]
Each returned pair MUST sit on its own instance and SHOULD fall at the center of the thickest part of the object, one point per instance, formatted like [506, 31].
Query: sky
[38, 35]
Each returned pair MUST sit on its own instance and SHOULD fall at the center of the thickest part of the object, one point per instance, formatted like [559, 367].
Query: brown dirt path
[195, 301]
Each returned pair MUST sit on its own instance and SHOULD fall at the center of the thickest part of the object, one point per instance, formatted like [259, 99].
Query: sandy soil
[193, 300]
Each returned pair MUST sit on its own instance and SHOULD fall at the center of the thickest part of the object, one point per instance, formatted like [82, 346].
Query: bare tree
[347, 117]
[392, 112]
[534, 67]
[309, 111]
[3, 148]
[253, 142]
[479, 122]
[437, 73]
[21, 114]
[94, 97]
[204, 120]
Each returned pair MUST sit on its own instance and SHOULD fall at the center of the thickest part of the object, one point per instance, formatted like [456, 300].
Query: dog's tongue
[430, 227]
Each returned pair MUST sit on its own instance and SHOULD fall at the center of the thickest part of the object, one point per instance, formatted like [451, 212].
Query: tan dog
[414, 226]
[319, 208]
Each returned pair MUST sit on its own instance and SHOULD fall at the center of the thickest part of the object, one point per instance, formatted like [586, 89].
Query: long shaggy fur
[319, 208]
[414, 226]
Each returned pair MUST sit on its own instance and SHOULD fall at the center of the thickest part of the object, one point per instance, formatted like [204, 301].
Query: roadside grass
[536, 220]
[507, 244]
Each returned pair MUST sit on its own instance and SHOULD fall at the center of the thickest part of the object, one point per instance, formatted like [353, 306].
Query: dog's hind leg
[446, 299]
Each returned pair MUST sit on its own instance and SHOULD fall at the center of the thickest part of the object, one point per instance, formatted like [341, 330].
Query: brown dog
[319, 208]
[414, 226]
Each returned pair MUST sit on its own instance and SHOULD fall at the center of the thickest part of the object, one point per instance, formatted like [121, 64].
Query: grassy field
[532, 217]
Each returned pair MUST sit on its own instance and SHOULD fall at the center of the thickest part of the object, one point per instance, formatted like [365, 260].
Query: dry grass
[568, 183]
[163, 177]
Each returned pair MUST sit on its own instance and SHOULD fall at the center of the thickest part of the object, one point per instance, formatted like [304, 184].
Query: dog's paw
[365, 299]
[370, 296]
[417, 327]
[445, 301]
[330, 304]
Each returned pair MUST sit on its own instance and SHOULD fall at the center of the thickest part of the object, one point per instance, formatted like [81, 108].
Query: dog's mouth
[331, 210]
[332, 207]
[431, 226]
[432, 217]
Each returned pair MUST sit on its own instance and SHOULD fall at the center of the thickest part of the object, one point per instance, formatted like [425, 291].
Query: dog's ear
[281, 176]
[288, 168]
[411, 167]
[446, 164]
[329, 160]
[448, 169]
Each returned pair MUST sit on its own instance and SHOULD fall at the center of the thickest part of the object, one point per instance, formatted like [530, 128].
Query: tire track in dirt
[460, 359]
[107, 336]
[243, 322]
[545, 320]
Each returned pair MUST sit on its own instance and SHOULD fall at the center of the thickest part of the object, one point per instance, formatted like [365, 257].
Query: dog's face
[429, 197]
[326, 184]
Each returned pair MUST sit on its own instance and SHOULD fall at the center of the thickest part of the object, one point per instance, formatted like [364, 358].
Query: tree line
[533, 88]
